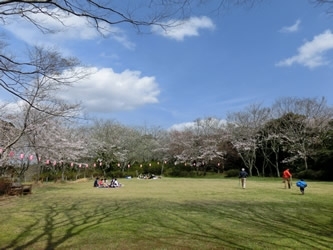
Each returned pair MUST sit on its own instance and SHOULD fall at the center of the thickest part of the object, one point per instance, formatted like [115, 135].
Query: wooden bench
[20, 189]
[26, 188]
[15, 190]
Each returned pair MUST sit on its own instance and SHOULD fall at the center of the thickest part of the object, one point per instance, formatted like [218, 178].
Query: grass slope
[170, 214]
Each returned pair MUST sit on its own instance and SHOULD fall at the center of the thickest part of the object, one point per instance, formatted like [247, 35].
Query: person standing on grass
[242, 177]
[286, 176]
[302, 185]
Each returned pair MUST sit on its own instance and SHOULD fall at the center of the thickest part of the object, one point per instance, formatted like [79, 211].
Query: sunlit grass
[170, 214]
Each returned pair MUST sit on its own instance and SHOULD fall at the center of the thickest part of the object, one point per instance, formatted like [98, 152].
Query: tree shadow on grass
[47, 232]
[184, 225]
[256, 226]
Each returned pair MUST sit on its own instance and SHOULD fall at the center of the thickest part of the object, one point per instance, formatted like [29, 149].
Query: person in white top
[116, 183]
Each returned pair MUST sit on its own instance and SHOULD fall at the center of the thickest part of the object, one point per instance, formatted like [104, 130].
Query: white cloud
[182, 126]
[292, 28]
[107, 91]
[311, 53]
[192, 125]
[11, 107]
[70, 28]
[178, 30]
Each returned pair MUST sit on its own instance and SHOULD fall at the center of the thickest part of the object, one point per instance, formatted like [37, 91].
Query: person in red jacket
[286, 176]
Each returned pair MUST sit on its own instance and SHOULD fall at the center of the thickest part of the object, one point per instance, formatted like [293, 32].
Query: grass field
[170, 214]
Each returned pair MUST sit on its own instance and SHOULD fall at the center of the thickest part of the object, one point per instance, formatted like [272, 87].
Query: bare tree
[270, 141]
[37, 83]
[101, 14]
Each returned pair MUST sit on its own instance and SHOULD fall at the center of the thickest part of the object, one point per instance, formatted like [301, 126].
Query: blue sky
[208, 67]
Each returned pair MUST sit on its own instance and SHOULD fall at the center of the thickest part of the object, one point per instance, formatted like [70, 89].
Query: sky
[209, 66]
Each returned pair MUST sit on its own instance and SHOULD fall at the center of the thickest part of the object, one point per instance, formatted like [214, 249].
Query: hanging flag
[31, 157]
[80, 165]
[100, 163]
[72, 164]
[1, 150]
[94, 165]
[11, 153]
[47, 162]
[21, 156]
[87, 165]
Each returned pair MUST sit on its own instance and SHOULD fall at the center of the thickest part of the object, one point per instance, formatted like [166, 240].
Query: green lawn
[170, 214]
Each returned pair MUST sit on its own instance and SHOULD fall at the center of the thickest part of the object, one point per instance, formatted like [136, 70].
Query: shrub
[119, 174]
[310, 174]
[232, 173]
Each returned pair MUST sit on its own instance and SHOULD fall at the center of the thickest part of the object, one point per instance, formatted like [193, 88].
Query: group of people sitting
[103, 183]
[148, 176]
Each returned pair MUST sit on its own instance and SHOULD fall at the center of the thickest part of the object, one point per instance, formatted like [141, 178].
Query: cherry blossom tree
[199, 145]
[114, 145]
[244, 127]
[38, 102]
[303, 121]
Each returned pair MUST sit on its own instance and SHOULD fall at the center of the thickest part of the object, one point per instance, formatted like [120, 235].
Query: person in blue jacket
[302, 185]
[242, 177]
